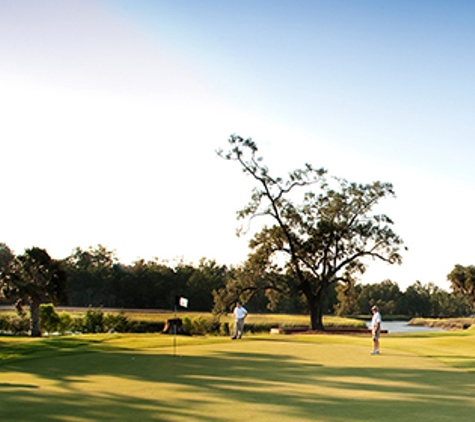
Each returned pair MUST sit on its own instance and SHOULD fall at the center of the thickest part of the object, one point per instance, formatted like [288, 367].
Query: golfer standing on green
[375, 329]
[240, 314]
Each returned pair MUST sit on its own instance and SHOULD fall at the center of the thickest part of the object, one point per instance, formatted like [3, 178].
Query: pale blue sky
[112, 110]
[337, 67]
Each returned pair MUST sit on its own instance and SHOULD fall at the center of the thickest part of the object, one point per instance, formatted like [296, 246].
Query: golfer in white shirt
[240, 314]
[375, 329]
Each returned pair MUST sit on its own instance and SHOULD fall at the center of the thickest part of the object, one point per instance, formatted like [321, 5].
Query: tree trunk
[315, 304]
[35, 327]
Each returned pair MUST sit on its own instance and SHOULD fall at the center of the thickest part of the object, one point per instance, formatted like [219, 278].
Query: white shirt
[240, 312]
[376, 319]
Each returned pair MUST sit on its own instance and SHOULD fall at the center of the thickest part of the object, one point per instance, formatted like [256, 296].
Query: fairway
[260, 378]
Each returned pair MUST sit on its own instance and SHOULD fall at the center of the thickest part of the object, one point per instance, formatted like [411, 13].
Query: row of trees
[94, 277]
[319, 233]
[417, 300]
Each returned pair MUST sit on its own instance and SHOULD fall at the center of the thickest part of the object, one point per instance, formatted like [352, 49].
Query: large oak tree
[31, 279]
[317, 230]
[462, 281]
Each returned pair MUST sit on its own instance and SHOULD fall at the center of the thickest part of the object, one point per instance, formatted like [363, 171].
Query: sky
[111, 113]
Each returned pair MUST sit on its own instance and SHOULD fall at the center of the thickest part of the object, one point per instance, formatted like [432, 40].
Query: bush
[146, 326]
[118, 323]
[259, 327]
[16, 325]
[94, 321]
[65, 322]
[5, 324]
[77, 325]
[187, 324]
[224, 329]
[200, 325]
[20, 325]
[49, 318]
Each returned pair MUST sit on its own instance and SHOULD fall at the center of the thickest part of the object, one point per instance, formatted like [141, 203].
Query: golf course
[157, 377]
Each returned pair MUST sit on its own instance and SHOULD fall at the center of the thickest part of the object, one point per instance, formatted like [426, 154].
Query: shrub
[116, 322]
[77, 325]
[224, 329]
[200, 325]
[146, 326]
[5, 324]
[93, 321]
[65, 322]
[49, 318]
[20, 325]
[16, 325]
[187, 324]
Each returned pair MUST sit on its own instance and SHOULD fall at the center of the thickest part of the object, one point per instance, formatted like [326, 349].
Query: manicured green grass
[424, 377]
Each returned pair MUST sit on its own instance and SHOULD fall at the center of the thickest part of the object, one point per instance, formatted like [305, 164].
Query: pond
[402, 327]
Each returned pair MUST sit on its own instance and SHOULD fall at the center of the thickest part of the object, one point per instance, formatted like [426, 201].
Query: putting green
[325, 378]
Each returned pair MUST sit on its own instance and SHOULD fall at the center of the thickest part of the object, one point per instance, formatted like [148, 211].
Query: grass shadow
[275, 381]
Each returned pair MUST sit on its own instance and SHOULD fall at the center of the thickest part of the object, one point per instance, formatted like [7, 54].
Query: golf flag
[183, 302]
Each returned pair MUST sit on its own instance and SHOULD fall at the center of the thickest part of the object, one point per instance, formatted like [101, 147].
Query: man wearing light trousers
[240, 314]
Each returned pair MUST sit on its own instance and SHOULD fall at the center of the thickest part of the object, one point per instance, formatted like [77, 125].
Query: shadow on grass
[13, 385]
[466, 363]
[230, 382]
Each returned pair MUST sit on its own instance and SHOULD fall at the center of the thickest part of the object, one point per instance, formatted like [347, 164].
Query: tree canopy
[317, 237]
[462, 280]
[31, 278]
[95, 278]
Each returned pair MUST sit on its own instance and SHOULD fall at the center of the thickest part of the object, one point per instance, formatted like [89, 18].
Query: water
[402, 327]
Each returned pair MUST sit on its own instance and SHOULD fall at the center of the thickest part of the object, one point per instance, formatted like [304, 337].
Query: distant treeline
[417, 300]
[96, 279]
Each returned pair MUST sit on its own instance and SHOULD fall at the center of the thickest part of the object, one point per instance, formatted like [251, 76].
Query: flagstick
[174, 334]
